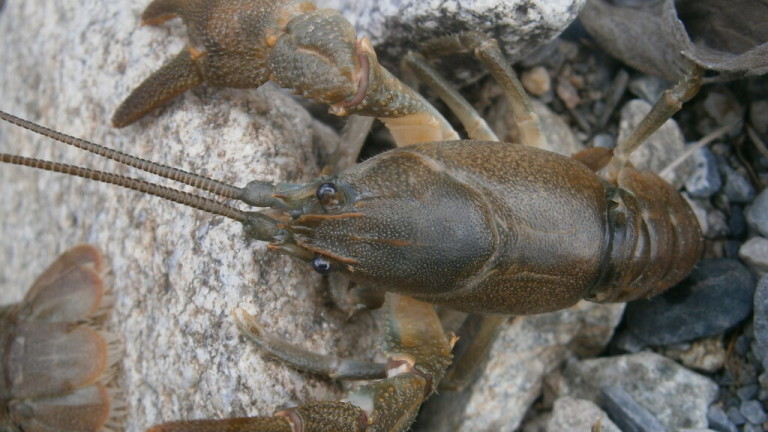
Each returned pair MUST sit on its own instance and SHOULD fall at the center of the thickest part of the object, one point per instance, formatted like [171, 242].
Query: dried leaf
[665, 37]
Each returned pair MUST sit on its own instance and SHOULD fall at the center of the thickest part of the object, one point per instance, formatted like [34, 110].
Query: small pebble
[742, 345]
[627, 342]
[648, 87]
[754, 253]
[737, 187]
[749, 427]
[568, 93]
[707, 355]
[731, 248]
[718, 420]
[717, 224]
[536, 80]
[763, 393]
[758, 115]
[705, 178]
[737, 223]
[760, 321]
[723, 106]
[748, 392]
[604, 140]
[757, 213]
[753, 411]
[735, 416]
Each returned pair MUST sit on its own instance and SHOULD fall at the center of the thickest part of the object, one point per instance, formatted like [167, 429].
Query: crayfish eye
[329, 196]
[322, 264]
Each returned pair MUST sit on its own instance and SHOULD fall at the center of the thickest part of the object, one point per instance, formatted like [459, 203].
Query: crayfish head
[411, 235]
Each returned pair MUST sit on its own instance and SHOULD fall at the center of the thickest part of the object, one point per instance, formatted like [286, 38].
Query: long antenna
[263, 225]
[175, 195]
[197, 181]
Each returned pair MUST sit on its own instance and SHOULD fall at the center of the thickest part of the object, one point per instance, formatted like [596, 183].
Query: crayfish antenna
[265, 228]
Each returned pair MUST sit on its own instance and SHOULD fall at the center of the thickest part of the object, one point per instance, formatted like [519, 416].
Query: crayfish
[475, 225]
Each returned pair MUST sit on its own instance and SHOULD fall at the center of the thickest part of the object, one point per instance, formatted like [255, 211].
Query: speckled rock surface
[178, 272]
[527, 350]
[519, 25]
[571, 414]
[653, 381]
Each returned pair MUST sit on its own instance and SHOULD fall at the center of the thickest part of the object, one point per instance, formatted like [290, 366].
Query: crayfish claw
[175, 77]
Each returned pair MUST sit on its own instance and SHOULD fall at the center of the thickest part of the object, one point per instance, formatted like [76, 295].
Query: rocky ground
[693, 358]
[703, 343]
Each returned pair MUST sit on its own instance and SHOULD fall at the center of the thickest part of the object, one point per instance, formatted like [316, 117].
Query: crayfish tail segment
[657, 240]
[58, 362]
[175, 77]
[70, 289]
[83, 409]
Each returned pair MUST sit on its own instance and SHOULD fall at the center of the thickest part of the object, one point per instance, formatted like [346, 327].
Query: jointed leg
[669, 103]
[476, 336]
[419, 353]
[330, 366]
[488, 52]
[475, 125]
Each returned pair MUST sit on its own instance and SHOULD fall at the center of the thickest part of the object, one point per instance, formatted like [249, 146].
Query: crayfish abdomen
[503, 228]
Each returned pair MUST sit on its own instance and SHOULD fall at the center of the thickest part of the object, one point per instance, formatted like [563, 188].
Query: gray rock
[753, 411]
[706, 355]
[749, 427]
[395, 25]
[705, 178]
[757, 213]
[735, 416]
[569, 414]
[760, 344]
[758, 115]
[648, 87]
[178, 272]
[556, 131]
[661, 148]
[604, 140]
[717, 224]
[653, 381]
[737, 186]
[526, 351]
[718, 420]
[754, 253]
[763, 380]
[626, 342]
[715, 297]
[627, 413]
[748, 392]
[722, 106]
[701, 209]
[737, 222]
